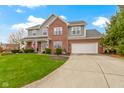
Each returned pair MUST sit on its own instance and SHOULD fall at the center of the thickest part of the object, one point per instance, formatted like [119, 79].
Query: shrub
[110, 51]
[20, 51]
[43, 52]
[58, 51]
[3, 54]
[15, 51]
[30, 50]
[113, 51]
[120, 48]
[48, 51]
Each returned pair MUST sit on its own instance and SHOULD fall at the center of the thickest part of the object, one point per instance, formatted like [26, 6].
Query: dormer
[77, 28]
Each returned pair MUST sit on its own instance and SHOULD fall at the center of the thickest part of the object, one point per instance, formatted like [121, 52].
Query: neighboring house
[10, 46]
[72, 37]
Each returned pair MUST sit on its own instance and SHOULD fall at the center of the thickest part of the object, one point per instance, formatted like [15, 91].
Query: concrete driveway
[85, 71]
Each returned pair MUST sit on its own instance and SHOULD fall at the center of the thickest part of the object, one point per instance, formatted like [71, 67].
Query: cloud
[35, 19]
[20, 11]
[31, 21]
[63, 17]
[33, 6]
[101, 22]
[4, 32]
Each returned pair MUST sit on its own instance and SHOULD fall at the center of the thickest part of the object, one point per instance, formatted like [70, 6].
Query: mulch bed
[116, 55]
[60, 57]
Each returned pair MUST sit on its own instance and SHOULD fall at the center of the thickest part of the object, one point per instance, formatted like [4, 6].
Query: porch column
[36, 46]
[41, 47]
[47, 43]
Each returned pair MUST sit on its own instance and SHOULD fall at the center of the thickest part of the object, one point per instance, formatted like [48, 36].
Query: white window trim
[73, 29]
[46, 32]
[56, 31]
[57, 42]
[34, 32]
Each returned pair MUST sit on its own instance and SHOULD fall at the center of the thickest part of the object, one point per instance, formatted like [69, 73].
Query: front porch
[38, 44]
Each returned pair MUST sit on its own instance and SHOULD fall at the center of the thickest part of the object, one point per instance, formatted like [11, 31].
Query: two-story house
[72, 37]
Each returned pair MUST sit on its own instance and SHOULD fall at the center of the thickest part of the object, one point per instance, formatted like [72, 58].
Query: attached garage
[84, 48]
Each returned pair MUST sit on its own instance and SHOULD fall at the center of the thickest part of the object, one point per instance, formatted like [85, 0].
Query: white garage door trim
[85, 48]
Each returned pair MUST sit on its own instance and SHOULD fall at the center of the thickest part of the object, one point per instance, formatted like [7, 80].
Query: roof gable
[48, 21]
[45, 23]
[59, 19]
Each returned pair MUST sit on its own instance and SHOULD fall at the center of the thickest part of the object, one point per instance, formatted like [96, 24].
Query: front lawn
[21, 69]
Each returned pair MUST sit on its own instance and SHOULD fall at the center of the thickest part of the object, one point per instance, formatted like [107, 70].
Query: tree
[1, 49]
[15, 37]
[114, 30]
[120, 48]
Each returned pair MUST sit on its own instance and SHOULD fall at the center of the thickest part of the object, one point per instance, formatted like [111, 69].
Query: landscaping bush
[30, 50]
[113, 51]
[58, 51]
[48, 51]
[110, 51]
[43, 52]
[120, 48]
[6, 53]
[15, 51]
[20, 51]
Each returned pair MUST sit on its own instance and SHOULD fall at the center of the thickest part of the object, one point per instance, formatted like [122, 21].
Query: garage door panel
[86, 48]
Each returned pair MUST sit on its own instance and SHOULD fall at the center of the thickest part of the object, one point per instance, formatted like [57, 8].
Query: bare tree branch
[15, 37]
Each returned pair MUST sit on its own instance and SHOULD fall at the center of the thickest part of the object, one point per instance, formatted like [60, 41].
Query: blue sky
[14, 17]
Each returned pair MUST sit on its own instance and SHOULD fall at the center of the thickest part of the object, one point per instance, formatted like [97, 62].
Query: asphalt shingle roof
[93, 33]
[77, 22]
[35, 27]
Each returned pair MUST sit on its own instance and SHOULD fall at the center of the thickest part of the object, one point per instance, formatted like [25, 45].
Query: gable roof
[59, 19]
[93, 33]
[34, 27]
[45, 23]
[49, 20]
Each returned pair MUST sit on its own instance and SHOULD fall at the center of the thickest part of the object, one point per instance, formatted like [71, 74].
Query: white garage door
[85, 48]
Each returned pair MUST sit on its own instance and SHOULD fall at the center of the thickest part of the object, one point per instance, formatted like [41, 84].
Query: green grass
[21, 69]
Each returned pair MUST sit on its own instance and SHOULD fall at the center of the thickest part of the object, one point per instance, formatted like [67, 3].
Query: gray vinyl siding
[37, 32]
[41, 27]
[29, 33]
[48, 21]
[82, 32]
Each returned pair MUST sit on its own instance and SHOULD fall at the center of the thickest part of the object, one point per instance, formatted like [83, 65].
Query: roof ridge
[77, 21]
[92, 29]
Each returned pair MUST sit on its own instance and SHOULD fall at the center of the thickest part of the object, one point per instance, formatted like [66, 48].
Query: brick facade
[63, 38]
[68, 33]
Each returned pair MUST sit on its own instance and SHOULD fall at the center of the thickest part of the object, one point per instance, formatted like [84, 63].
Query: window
[45, 32]
[76, 30]
[57, 44]
[58, 31]
[34, 32]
